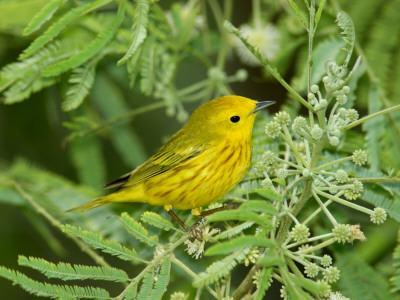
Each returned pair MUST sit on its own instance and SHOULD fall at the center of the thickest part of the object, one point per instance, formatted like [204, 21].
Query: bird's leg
[211, 211]
[195, 231]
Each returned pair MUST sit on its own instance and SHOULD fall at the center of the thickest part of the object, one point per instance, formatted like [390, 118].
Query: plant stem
[380, 179]
[319, 246]
[331, 163]
[345, 202]
[366, 118]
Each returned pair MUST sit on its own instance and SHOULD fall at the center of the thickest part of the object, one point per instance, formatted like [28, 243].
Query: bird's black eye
[235, 119]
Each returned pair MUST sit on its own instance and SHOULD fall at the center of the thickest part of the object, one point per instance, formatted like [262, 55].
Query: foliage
[317, 181]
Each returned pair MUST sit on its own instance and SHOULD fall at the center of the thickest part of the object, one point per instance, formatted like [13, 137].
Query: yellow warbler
[198, 165]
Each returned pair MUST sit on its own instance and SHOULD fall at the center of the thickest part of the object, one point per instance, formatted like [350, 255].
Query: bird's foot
[195, 233]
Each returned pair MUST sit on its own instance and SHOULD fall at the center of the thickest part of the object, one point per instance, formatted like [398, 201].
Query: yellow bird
[199, 164]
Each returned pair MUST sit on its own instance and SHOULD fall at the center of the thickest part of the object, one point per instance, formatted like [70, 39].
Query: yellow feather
[199, 164]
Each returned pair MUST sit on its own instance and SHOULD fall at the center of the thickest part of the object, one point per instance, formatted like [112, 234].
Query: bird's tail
[119, 196]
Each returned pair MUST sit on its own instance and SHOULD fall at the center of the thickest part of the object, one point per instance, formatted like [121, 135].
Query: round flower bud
[341, 176]
[342, 233]
[333, 189]
[352, 115]
[342, 111]
[299, 123]
[342, 99]
[334, 140]
[359, 157]
[357, 187]
[314, 88]
[300, 232]
[317, 107]
[378, 216]
[325, 79]
[266, 183]
[260, 167]
[346, 89]
[311, 270]
[282, 117]
[316, 132]
[182, 116]
[351, 195]
[323, 103]
[310, 96]
[241, 75]
[268, 157]
[281, 173]
[331, 274]
[326, 260]
[306, 173]
[273, 129]
[284, 293]
[179, 296]
[336, 132]
[216, 74]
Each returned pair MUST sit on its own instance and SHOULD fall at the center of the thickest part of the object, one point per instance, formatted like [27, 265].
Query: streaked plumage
[198, 165]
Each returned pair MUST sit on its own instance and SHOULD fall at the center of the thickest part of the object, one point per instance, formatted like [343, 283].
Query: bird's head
[227, 116]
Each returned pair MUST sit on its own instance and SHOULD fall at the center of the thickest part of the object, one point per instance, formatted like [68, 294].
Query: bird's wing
[159, 163]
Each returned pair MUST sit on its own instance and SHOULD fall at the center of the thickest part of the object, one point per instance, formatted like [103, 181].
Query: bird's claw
[195, 233]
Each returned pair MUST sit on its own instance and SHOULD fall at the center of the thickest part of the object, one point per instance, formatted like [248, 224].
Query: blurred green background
[33, 130]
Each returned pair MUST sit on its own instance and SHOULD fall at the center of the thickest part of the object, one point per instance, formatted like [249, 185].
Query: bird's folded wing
[161, 162]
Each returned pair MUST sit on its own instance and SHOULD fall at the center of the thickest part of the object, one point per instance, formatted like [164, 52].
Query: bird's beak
[261, 104]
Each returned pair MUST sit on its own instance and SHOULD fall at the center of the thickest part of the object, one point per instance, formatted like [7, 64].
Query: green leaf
[66, 271]
[88, 160]
[51, 290]
[59, 25]
[240, 216]
[269, 194]
[96, 241]
[348, 32]
[299, 13]
[239, 244]
[260, 206]
[156, 220]
[147, 285]
[359, 281]
[139, 29]
[81, 81]
[220, 268]
[148, 66]
[45, 14]
[163, 278]
[270, 260]
[137, 230]
[124, 139]
[375, 129]
[264, 283]
[90, 50]
[233, 230]
[319, 11]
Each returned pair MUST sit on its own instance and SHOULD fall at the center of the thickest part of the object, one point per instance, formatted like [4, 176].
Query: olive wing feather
[159, 163]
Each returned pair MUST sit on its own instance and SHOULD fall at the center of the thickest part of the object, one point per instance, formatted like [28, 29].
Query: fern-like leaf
[66, 271]
[137, 230]
[345, 23]
[147, 285]
[360, 281]
[45, 14]
[259, 206]
[162, 280]
[241, 216]
[59, 25]
[239, 243]
[52, 290]
[156, 220]
[230, 232]
[96, 241]
[220, 268]
[148, 66]
[139, 29]
[90, 50]
[81, 81]
[264, 283]
[395, 280]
